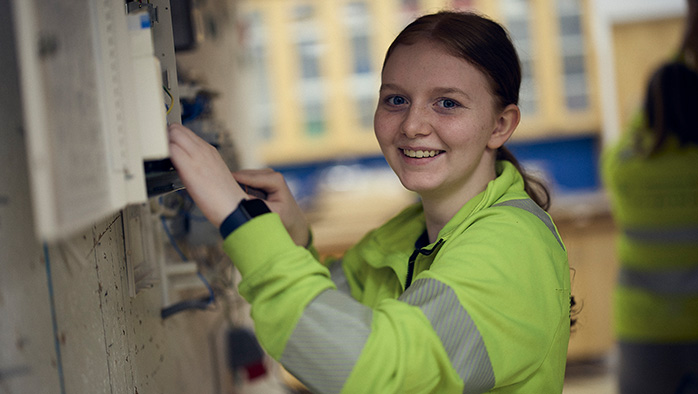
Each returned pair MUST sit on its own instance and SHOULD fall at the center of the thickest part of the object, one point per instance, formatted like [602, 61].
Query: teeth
[419, 153]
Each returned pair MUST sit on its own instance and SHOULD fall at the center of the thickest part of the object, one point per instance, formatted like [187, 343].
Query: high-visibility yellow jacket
[655, 206]
[484, 308]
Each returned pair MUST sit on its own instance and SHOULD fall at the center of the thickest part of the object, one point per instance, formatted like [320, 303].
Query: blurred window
[255, 40]
[573, 54]
[306, 32]
[362, 82]
[517, 14]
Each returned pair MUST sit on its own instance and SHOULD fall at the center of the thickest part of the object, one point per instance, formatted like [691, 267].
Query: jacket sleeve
[323, 336]
[279, 278]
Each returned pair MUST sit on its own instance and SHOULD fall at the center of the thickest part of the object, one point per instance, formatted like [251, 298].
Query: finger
[177, 132]
[180, 143]
[254, 192]
[177, 155]
[253, 175]
[266, 179]
[185, 138]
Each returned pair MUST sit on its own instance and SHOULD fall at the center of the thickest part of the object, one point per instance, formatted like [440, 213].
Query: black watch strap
[246, 210]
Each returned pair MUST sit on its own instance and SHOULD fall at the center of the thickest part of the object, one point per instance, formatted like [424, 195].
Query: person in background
[466, 291]
[651, 175]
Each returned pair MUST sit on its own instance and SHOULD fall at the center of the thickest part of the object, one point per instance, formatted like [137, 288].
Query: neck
[437, 214]
[440, 208]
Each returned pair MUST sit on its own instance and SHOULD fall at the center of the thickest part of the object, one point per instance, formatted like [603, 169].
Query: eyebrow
[450, 91]
[438, 90]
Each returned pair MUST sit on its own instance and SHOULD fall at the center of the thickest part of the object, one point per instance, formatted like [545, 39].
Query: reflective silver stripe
[665, 282]
[668, 235]
[314, 355]
[339, 278]
[529, 205]
[457, 331]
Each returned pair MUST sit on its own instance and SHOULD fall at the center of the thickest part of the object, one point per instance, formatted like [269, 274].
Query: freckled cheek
[466, 132]
[385, 143]
[384, 129]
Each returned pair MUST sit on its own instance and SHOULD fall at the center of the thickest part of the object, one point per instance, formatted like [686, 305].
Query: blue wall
[569, 164]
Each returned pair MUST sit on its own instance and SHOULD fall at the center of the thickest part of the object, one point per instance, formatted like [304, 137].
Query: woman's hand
[279, 200]
[216, 191]
[204, 173]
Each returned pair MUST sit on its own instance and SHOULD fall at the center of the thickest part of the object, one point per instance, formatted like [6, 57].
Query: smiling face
[437, 124]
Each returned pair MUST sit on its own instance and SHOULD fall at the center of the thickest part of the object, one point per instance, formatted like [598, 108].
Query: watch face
[255, 207]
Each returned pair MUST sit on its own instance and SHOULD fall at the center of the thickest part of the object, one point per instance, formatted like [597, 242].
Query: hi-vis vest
[484, 308]
[655, 206]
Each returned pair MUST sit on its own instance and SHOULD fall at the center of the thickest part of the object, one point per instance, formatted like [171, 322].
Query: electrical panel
[99, 85]
[98, 88]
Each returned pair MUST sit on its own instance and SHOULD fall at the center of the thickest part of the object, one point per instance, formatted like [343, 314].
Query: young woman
[652, 178]
[651, 175]
[466, 291]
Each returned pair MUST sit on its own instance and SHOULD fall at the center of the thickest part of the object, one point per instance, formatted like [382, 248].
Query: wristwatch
[246, 210]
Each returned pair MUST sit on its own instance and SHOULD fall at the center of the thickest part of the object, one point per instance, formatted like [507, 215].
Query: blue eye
[396, 100]
[448, 103]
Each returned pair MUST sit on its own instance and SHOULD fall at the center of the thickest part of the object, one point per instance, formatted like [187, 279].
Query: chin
[419, 186]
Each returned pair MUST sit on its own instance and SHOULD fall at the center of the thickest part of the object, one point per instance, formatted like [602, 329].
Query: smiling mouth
[420, 153]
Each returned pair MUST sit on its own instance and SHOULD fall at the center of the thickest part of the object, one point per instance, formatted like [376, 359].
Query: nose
[416, 122]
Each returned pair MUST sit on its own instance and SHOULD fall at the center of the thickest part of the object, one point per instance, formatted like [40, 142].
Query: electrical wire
[169, 108]
[173, 242]
[202, 303]
[190, 203]
[54, 321]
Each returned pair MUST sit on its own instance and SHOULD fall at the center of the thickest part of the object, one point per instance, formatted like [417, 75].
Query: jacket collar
[395, 240]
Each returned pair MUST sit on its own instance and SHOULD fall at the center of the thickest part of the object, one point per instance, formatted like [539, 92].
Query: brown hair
[487, 46]
[671, 101]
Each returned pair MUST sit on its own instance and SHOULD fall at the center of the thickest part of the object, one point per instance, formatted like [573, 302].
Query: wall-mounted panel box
[96, 99]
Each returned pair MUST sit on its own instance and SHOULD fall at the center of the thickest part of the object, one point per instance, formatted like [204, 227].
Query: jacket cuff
[256, 242]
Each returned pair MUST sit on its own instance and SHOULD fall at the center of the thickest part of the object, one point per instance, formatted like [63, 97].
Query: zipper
[413, 259]
[410, 268]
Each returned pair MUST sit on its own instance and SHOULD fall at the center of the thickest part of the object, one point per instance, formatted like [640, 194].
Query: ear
[505, 125]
